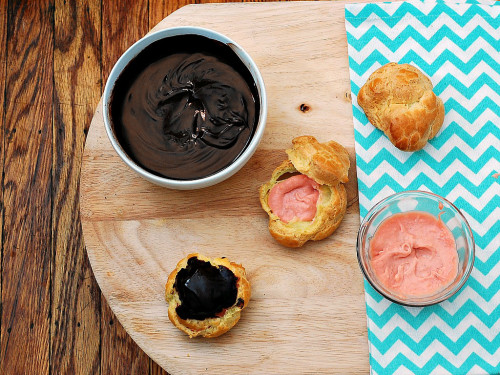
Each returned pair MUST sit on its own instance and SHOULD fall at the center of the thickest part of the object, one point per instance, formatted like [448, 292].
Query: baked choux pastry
[205, 296]
[398, 99]
[305, 198]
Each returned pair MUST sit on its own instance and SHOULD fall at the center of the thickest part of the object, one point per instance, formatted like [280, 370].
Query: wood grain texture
[307, 313]
[27, 183]
[3, 75]
[159, 9]
[75, 333]
[123, 23]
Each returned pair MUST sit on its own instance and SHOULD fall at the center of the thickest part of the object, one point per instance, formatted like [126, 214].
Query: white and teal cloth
[457, 44]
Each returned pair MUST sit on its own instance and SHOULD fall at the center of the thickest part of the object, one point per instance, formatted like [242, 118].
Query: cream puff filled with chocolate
[205, 296]
[305, 198]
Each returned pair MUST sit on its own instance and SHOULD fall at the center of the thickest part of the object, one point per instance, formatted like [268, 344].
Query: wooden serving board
[307, 312]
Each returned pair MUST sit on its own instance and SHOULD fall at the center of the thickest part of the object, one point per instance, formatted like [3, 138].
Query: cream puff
[398, 99]
[205, 296]
[305, 198]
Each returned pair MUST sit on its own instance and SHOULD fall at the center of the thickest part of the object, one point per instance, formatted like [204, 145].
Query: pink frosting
[294, 198]
[414, 254]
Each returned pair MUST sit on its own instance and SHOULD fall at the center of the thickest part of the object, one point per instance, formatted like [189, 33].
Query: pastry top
[326, 163]
[398, 99]
[189, 306]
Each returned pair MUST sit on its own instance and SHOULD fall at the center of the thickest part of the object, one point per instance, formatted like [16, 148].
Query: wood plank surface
[75, 332]
[136, 232]
[27, 189]
[3, 75]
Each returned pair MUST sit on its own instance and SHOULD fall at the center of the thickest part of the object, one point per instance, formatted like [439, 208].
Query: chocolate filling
[185, 107]
[204, 290]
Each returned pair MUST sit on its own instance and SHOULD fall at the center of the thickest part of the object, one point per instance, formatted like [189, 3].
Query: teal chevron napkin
[457, 44]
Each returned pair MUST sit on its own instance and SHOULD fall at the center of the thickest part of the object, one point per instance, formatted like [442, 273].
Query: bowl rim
[249, 149]
[457, 287]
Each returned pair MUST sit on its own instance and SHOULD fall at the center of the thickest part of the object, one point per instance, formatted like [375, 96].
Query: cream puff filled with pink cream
[305, 198]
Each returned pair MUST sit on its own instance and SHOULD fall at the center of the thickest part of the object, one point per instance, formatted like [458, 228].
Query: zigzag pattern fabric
[458, 46]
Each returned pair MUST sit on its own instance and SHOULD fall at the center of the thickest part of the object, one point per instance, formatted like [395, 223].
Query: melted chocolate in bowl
[204, 290]
[185, 107]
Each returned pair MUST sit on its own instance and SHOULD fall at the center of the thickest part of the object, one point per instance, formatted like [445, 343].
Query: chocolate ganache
[185, 107]
[204, 290]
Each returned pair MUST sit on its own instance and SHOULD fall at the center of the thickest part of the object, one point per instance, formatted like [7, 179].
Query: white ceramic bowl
[219, 176]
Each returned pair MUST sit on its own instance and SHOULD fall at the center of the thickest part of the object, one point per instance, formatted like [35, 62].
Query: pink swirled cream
[294, 198]
[414, 254]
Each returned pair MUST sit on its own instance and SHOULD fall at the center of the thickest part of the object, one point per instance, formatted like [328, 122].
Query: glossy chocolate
[204, 290]
[185, 107]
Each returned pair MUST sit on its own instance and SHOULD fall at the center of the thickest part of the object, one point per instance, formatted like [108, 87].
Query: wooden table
[55, 57]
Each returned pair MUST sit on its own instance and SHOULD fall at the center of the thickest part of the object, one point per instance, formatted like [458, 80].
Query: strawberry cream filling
[294, 199]
[414, 254]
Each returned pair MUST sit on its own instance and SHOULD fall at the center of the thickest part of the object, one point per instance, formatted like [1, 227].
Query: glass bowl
[424, 202]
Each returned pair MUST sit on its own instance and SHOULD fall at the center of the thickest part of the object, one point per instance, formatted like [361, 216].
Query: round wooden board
[307, 312]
